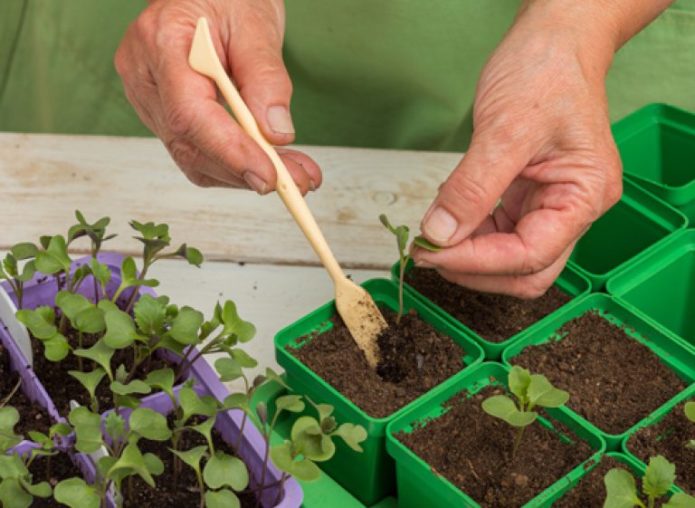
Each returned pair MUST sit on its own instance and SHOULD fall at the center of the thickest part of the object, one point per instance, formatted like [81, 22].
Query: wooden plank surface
[46, 177]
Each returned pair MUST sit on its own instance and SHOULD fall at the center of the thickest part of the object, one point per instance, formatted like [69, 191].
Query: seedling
[690, 415]
[15, 276]
[621, 488]
[529, 391]
[402, 234]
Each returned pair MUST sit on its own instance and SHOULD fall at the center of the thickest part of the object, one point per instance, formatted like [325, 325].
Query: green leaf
[130, 462]
[303, 470]
[120, 330]
[99, 353]
[291, 403]
[193, 404]
[243, 358]
[87, 429]
[115, 426]
[402, 235]
[228, 369]
[271, 375]
[680, 500]
[502, 407]
[519, 381]
[134, 387]
[161, 379]
[385, 221]
[76, 493]
[24, 250]
[90, 380]
[190, 254]
[352, 434]
[233, 325]
[12, 495]
[205, 429]
[659, 477]
[153, 464]
[324, 411]
[90, 320]
[237, 401]
[424, 243]
[55, 258]
[40, 322]
[9, 417]
[223, 470]
[621, 490]
[150, 314]
[542, 393]
[60, 429]
[100, 271]
[149, 424]
[310, 441]
[224, 498]
[191, 457]
[27, 272]
[41, 489]
[184, 328]
[56, 348]
[40, 438]
[12, 466]
[71, 304]
[690, 411]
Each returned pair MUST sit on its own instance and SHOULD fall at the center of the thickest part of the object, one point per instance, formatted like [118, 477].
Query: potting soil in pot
[415, 358]
[473, 451]
[494, 317]
[58, 467]
[613, 380]
[31, 416]
[590, 492]
[669, 438]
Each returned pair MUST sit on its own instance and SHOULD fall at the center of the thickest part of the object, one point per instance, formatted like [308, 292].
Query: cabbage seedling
[10, 270]
[529, 391]
[690, 415]
[621, 488]
[402, 234]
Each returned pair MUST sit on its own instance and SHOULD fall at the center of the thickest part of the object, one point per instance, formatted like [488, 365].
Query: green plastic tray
[369, 476]
[419, 486]
[629, 230]
[657, 147]
[671, 351]
[570, 282]
[662, 285]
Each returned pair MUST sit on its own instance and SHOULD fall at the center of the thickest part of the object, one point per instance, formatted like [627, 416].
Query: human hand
[181, 107]
[542, 156]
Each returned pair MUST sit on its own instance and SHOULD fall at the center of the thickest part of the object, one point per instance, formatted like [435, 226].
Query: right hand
[181, 107]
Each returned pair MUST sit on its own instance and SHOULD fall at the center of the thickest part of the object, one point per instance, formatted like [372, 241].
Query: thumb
[472, 190]
[255, 59]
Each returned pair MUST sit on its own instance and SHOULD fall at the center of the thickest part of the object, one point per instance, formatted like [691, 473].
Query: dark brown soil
[58, 468]
[31, 416]
[62, 387]
[493, 317]
[415, 358]
[613, 380]
[181, 492]
[668, 438]
[473, 451]
[590, 492]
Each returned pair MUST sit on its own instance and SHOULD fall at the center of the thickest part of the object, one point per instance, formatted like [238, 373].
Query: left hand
[541, 167]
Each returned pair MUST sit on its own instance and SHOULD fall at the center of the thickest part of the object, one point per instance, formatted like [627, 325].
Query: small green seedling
[690, 415]
[621, 488]
[530, 391]
[15, 275]
[402, 234]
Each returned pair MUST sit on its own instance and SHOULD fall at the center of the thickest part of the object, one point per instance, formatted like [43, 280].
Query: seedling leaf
[87, 428]
[542, 393]
[9, 417]
[120, 329]
[191, 457]
[353, 435]
[690, 411]
[184, 328]
[659, 477]
[224, 498]
[504, 408]
[223, 470]
[149, 424]
[291, 403]
[680, 500]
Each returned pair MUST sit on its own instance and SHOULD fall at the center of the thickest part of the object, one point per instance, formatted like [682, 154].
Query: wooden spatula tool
[355, 305]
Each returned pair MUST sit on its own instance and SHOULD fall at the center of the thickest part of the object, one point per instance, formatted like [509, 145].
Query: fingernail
[312, 185]
[280, 120]
[256, 182]
[440, 226]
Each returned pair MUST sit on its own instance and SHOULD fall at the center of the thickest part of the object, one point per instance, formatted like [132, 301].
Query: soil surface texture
[181, 491]
[473, 451]
[590, 492]
[59, 468]
[31, 416]
[613, 380]
[414, 358]
[62, 387]
[494, 317]
[668, 438]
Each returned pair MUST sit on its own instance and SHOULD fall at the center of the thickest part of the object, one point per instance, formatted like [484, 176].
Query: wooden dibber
[357, 308]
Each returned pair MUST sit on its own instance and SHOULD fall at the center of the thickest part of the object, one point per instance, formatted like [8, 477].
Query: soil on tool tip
[494, 317]
[414, 358]
[613, 380]
[473, 451]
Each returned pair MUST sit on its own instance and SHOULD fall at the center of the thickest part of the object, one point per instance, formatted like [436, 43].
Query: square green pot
[570, 282]
[657, 147]
[662, 286]
[628, 231]
[635, 466]
[671, 351]
[419, 486]
[368, 476]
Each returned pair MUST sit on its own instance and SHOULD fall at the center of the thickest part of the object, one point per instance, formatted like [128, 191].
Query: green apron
[398, 73]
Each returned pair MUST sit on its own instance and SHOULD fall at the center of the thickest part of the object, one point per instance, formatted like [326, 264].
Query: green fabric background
[387, 73]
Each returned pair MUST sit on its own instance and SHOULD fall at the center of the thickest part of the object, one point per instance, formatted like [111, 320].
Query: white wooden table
[255, 253]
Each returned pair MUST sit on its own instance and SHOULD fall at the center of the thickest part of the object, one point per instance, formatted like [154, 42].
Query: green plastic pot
[657, 147]
[671, 351]
[661, 286]
[636, 467]
[628, 231]
[369, 476]
[570, 282]
[419, 486]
